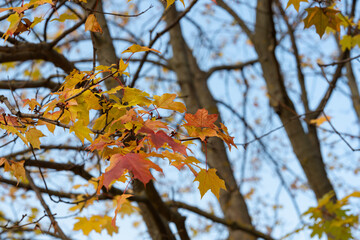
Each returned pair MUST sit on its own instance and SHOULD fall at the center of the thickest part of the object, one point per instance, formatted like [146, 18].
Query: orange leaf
[92, 24]
[208, 180]
[201, 133]
[33, 135]
[137, 48]
[201, 119]
[120, 202]
[319, 120]
[166, 101]
[322, 18]
[136, 163]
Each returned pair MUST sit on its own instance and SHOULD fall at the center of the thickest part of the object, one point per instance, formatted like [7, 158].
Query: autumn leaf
[122, 68]
[31, 102]
[92, 24]
[120, 201]
[201, 119]
[322, 18]
[15, 167]
[33, 135]
[18, 170]
[137, 48]
[208, 180]
[166, 101]
[171, 2]
[133, 97]
[348, 42]
[65, 16]
[295, 3]
[135, 163]
[95, 223]
[201, 133]
[319, 120]
[81, 131]
[224, 135]
[160, 137]
[14, 20]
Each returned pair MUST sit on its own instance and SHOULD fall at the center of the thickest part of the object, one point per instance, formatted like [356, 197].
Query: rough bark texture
[305, 145]
[355, 97]
[194, 88]
[102, 42]
[157, 226]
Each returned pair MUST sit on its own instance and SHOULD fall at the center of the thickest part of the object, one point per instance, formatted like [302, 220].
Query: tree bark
[305, 145]
[193, 83]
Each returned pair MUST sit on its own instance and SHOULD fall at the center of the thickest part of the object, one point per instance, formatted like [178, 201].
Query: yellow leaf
[319, 120]
[166, 101]
[36, 21]
[133, 97]
[295, 3]
[32, 103]
[169, 3]
[95, 223]
[14, 20]
[18, 170]
[81, 131]
[137, 48]
[208, 180]
[122, 67]
[65, 16]
[33, 135]
[92, 24]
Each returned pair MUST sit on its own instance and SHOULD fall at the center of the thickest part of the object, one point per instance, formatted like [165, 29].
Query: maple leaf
[122, 67]
[14, 20]
[81, 131]
[32, 103]
[166, 101]
[16, 167]
[137, 48]
[95, 223]
[201, 133]
[135, 163]
[295, 3]
[92, 24]
[33, 135]
[224, 135]
[126, 208]
[319, 120]
[65, 16]
[208, 180]
[120, 201]
[160, 137]
[18, 170]
[133, 97]
[322, 18]
[201, 119]
[348, 42]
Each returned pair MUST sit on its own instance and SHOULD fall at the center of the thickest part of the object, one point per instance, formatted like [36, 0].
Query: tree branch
[46, 207]
[233, 225]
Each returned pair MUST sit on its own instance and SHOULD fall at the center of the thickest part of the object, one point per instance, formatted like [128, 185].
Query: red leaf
[137, 164]
[201, 119]
[160, 137]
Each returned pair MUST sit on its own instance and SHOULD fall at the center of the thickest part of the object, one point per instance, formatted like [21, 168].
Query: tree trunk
[196, 93]
[305, 145]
